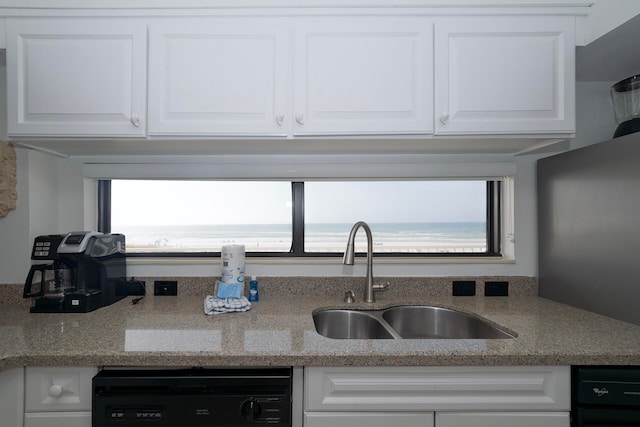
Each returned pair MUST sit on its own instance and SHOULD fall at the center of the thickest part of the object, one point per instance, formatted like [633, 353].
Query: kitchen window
[429, 218]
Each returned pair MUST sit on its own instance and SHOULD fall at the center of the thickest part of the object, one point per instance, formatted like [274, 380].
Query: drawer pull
[56, 390]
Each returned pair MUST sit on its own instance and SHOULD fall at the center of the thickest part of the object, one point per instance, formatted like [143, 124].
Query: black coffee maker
[84, 271]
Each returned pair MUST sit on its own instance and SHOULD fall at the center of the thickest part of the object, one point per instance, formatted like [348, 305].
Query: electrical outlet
[165, 287]
[464, 288]
[496, 289]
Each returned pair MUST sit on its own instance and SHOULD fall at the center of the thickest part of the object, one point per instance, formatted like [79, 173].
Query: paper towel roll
[233, 264]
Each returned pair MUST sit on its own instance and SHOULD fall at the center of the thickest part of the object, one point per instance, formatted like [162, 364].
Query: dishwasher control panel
[192, 397]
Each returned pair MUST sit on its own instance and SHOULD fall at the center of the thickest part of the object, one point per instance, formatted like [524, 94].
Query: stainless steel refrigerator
[589, 227]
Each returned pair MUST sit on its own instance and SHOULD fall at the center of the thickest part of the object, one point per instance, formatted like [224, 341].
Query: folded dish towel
[217, 305]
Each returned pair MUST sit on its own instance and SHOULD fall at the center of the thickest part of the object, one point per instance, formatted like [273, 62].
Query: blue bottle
[253, 289]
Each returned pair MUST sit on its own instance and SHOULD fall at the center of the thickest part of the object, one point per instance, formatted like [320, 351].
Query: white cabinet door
[58, 419]
[503, 419]
[368, 419]
[11, 397]
[504, 75]
[72, 77]
[59, 389]
[363, 76]
[219, 77]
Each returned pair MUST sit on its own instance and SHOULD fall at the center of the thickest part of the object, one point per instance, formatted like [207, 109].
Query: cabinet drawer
[367, 419]
[503, 419]
[58, 419]
[58, 389]
[544, 388]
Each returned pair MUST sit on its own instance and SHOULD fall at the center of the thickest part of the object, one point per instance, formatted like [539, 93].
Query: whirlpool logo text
[601, 391]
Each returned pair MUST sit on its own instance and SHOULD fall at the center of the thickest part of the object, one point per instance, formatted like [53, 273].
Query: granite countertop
[279, 331]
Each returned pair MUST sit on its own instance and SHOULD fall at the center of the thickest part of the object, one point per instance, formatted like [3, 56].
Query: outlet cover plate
[496, 289]
[464, 288]
[165, 287]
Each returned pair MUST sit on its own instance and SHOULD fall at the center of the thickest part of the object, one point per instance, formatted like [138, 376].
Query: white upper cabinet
[76, 77]
[426, 76]
[363, 75]
[219, 77]
[504, 75]
[350, 76]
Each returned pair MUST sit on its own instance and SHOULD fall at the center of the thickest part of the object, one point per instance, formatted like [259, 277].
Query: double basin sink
[405, 322]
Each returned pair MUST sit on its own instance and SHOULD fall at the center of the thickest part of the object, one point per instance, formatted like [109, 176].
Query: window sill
[320, 260]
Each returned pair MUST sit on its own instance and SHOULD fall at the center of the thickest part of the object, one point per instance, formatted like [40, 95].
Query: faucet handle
[349, 297]
[380, 286]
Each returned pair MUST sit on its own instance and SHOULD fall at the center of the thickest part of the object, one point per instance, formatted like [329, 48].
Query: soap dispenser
[253, 289]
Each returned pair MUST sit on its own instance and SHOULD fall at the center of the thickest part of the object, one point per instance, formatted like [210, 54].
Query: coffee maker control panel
[76, 242]
[46, 247]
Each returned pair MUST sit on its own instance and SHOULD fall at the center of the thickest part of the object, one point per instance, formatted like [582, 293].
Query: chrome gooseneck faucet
[349, 253]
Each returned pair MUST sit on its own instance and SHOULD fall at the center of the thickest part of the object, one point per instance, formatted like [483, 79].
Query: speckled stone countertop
[279, 331]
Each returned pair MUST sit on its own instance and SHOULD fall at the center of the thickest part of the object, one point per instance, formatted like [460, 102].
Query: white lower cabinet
[442, 419]
[503, 419]
[61, 419]
[58, 396]
[522, 396]
[11, 397]
[364, 419]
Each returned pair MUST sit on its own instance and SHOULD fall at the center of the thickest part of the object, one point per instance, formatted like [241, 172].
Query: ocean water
[387, 237]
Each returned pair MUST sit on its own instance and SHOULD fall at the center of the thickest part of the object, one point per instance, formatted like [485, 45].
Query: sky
[269, 202]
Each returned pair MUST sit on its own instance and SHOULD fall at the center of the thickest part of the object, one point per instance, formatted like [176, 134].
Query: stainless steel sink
[405, 322]
[349, 324]
[419, 321]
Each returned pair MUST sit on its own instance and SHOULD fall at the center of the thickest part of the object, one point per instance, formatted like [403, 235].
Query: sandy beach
[396, 247]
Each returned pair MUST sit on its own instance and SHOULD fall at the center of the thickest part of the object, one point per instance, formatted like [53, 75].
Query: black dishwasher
[605, 396]
[192, 397]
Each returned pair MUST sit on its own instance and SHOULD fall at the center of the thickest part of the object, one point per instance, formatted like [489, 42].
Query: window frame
[494, 223]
